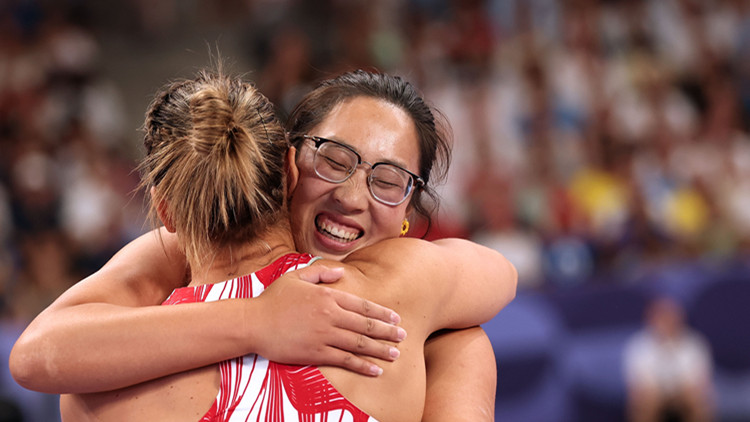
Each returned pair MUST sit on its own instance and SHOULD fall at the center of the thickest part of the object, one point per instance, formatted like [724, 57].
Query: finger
[366, 308]
[362, 345]
[371, 327]
[320, 274]
[353, 363]
[330, 274]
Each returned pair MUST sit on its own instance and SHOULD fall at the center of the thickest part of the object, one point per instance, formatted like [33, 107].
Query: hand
[310, 324]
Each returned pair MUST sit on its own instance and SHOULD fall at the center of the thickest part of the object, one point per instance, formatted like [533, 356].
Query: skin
[444, 401]
[390, 137]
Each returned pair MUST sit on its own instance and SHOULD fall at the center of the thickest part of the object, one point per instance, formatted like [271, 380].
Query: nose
[353, 194]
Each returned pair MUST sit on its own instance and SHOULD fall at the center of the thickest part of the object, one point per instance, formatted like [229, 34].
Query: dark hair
[432, 128]
[215, 154]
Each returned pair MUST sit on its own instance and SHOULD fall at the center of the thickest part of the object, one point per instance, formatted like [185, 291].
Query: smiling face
[334, 219]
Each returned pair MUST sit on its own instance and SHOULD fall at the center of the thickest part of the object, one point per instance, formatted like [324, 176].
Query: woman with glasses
[339, 128]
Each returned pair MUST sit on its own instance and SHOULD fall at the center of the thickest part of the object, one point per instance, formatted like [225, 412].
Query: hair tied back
[263, 122]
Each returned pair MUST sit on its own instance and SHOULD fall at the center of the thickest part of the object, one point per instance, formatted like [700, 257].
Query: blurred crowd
[597, 139]
[65, 168]
[591, 138]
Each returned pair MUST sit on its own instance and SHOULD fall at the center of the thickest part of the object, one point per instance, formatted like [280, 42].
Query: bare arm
[482, 283]
[452, 283]
[109, 324]
[461, 377]
[461, 368]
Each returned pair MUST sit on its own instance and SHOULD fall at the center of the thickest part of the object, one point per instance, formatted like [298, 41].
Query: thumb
[321, 274]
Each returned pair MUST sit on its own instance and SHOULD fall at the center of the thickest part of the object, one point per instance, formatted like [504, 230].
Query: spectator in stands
[668, 368]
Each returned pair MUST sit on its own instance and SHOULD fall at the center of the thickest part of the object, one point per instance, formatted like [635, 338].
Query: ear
[292, 171]
[161, 211]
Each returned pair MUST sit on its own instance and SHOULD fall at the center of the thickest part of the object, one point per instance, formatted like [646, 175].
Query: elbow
[22, 366]
[28, 367]
[514, 281]
[507, 283]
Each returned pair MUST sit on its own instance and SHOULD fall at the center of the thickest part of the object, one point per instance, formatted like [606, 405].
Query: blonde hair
[215, 155]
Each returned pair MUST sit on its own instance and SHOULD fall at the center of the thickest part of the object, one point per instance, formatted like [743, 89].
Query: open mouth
[337, 231]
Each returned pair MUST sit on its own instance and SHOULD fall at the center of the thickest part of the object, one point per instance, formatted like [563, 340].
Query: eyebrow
[393, 162]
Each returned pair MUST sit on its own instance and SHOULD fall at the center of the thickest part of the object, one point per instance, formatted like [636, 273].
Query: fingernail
[395, 318]
[376, 370]
[395, 352]
[401, 334]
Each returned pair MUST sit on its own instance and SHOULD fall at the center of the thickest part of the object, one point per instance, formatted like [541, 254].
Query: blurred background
[602, 146]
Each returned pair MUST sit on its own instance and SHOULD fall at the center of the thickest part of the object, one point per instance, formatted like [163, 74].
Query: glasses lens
[334, 162]
[390, 184]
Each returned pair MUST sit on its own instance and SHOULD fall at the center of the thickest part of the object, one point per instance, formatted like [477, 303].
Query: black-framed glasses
[335, 162]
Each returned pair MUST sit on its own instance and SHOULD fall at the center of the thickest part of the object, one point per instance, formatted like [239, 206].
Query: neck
[244, 258]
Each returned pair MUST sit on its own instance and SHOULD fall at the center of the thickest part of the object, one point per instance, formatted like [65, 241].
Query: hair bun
[214, 124]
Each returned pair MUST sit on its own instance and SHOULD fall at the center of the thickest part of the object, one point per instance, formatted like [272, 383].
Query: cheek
[309, 193]
[300, 216]
[310, 189]
[387, 222]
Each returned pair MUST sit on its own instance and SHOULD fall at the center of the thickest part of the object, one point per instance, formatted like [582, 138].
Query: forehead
[377, 129]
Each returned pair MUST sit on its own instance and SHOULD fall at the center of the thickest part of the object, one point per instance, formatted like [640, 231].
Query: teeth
[333, 231]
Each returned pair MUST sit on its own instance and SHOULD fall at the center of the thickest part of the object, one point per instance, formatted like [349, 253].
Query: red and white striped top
[256, 389]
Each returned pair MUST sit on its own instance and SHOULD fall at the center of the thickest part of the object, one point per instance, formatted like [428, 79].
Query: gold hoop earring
[404, 227]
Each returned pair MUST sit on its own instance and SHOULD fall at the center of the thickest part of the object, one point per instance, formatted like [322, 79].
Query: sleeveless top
[256, 389]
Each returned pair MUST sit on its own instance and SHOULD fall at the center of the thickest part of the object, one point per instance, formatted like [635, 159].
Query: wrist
[246, 333]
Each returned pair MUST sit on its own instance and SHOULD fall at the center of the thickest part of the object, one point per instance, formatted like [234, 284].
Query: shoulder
[398, 254]
[696, 343]
[407, 247]
[639, 344]
[444, 257]
[392, 247]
